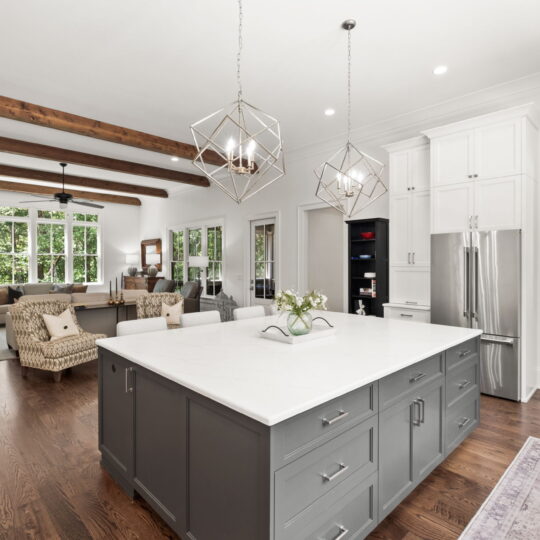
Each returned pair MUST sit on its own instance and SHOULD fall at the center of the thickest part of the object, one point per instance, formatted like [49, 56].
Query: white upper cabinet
[452, 208]
[452, 158]
[400, 244]
[420, 228]
[419, 170]
[399, 172]
[409, 166]
[497, 203]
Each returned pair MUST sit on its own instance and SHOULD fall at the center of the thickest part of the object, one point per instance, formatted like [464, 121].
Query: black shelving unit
[377, 249]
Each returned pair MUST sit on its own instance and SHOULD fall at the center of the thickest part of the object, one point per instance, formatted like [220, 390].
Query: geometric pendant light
[239, 147]
[350, 180]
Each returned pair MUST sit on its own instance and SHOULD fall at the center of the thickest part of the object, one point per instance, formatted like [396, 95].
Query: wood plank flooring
[51, 484]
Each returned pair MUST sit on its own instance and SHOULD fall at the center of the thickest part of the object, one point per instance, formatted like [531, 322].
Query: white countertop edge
[306, 406]
[417, 307]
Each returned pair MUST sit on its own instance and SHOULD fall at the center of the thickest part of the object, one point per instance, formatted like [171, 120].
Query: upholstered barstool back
[248, 312]
[149, 305]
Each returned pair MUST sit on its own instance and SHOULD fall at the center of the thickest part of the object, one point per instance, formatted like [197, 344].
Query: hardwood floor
[51, 484]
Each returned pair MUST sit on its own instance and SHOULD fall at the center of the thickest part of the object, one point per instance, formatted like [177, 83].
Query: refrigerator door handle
[498, 339]
[466, 281]
[474, 292]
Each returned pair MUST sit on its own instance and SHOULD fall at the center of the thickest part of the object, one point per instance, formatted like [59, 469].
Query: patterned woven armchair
[149, 305]
[36, 350]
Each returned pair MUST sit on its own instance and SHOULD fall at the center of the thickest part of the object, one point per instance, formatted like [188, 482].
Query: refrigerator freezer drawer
[499, 366]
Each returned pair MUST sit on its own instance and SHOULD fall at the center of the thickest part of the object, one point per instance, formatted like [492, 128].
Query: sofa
[92, 310]
[191, 293]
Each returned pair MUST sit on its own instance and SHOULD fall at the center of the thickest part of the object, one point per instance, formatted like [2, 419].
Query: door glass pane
[269, 284]
[259, 243]
[194, 273]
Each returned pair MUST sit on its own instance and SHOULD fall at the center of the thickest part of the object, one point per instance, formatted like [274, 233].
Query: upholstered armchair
[191, 292]
[150, 305]
[36, 350]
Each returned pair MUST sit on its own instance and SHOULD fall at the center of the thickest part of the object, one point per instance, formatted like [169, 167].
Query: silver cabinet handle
[469, 176]
[474, 311]
[341, 534]
[476, 222]
[463, 384]
[422, 410]
[413, 254]
[470, 222]
[329, 478]
[415, 405]
[410, 302]
[416, 378]
[465, 281]
[464, 422]
[341, 415]
[127, 372]
[405, 315]
[409, 258]
[475, 175]
[502, 340]
[464, 353]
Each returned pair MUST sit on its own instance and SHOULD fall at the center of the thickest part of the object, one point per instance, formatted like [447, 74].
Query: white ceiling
[158, 66]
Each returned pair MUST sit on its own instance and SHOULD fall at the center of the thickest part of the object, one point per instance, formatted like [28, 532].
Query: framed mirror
[150, 247]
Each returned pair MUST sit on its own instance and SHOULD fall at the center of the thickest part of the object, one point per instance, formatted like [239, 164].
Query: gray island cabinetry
[333, 471]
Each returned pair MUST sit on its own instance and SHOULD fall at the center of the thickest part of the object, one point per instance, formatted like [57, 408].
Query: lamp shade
[198, 261]
[153, 258]
[132, 258]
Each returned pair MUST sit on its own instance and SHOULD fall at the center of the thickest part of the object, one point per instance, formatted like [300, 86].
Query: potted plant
[299, 307]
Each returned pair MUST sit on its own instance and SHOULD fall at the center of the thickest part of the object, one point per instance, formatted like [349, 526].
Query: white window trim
[204, 225]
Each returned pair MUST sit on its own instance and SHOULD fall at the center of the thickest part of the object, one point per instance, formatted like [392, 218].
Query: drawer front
[458, 355]
[462, 382]
[350, 511]
[404, 314]
[460, 421]
[302, 433]
[302, 482]
[398, 385]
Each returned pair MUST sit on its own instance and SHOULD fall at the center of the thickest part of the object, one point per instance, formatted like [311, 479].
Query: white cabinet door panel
[451, 208]
[498, 150]
[400, 224]
[399, 172]
[410, 285]
[452, 158]
[420, 228]
[498, 203]
[419, 168]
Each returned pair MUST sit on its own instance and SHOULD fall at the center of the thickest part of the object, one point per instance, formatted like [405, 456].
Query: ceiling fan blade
[35, 201]
[85, 203]
[48, 197]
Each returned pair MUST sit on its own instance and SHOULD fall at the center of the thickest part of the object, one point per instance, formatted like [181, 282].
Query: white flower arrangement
[291, 301]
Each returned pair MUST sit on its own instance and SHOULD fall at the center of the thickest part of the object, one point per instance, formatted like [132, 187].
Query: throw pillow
[79, 287]
[14, 293]
[4, 296]
[61, 326]
[62, 288]
[172, 313]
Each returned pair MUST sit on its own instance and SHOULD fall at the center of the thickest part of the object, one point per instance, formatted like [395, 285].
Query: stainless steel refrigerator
[476, 283]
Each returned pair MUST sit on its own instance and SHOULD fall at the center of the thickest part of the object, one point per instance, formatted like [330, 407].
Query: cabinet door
[400, 225]
[116, 413]
[160, 445]
[498, 203]
[395, 456]
[452, 158]
[428, 442]
[419, 168]
[410, 285]
[498, 150]
[452, 208]
[420, 228]
[399, 172]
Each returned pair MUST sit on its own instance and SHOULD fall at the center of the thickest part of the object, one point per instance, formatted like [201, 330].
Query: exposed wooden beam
[47, 190]
[52, 118]
[14, 146]
[108, 185]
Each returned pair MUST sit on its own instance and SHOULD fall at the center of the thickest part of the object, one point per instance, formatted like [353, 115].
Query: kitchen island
[230, 436]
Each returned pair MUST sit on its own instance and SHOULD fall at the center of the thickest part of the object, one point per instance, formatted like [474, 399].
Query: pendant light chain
[349, 87]
[239, 55]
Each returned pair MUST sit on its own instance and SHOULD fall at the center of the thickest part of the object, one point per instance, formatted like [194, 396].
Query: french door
[262, 262]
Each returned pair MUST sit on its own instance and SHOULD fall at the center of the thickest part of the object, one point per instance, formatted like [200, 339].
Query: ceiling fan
[63, 198]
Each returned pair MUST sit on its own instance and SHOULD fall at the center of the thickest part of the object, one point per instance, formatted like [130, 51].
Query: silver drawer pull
[405, 315]
[343, 532]
[464, 384]
[341, 415]
[464, 422]
[329, 478]
[128, 387]
[416, 378]
[464, 353]
[411, 302]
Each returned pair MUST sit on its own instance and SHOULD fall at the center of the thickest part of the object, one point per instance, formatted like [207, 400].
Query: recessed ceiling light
[329, 112]
[440, 70]
[174, 158]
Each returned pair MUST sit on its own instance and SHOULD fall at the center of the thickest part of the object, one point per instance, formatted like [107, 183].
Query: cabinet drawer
[349, 511]
[396, 386]
[302, 482]
[460, 421]
[407, 314]
[460, 354]
[302, 433]
[462, 382]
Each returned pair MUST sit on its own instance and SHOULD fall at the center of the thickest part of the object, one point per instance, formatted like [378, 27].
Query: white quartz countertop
[271, 381]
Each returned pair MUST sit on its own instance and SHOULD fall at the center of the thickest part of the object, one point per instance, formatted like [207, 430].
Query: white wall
[283, 197]
[325, 258]
[119, 233]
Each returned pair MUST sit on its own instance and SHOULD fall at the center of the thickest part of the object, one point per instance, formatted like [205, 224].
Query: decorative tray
[281, 333]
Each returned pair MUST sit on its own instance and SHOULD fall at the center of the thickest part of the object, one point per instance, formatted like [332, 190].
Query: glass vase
[299, 324]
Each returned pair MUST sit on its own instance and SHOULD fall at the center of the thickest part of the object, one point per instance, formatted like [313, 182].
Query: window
[49, 246]
[186, 242]
[214, 249]
[264, 261]
[14, 245]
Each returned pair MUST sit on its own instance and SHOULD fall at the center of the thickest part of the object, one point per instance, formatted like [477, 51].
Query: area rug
[512, 510]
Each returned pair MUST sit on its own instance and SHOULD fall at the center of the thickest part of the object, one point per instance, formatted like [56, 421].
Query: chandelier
[239, 147]
[350, 180]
